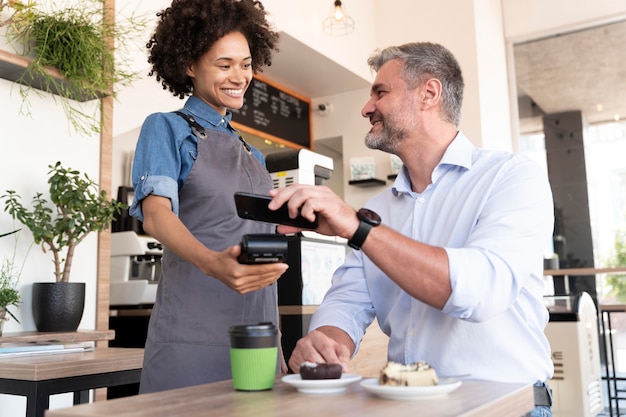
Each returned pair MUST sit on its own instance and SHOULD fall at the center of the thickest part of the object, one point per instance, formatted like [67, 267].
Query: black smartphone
[254, 207]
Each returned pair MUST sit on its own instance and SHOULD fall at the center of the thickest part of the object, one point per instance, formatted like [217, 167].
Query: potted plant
[86, 42]
[9, 295]
[76, 208]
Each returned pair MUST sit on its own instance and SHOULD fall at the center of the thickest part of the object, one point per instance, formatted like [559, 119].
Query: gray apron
[188, 342]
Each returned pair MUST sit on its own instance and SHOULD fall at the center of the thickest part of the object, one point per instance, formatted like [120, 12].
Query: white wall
[472, 30]
[29, 144]
[526, 20]
[304, 23]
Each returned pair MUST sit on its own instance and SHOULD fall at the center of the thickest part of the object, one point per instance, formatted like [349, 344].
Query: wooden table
[472, 399]
[37, 377]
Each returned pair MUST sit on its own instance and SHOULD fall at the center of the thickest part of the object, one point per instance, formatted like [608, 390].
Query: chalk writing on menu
[271, 112]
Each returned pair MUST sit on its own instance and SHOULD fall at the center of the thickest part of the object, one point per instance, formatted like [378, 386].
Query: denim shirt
[167, 149]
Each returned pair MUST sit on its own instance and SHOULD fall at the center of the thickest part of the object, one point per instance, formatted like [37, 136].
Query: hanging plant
[78, 41]
[18, 10]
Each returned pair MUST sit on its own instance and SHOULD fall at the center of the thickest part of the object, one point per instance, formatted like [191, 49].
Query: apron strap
[200, 132]
[195, 126]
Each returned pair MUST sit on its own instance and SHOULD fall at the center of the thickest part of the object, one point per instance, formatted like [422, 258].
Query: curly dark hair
[188, 28]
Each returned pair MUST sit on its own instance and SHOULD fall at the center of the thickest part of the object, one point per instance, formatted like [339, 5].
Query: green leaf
[76, 207]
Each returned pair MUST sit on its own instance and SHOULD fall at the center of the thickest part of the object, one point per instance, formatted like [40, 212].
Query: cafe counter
[471, 399]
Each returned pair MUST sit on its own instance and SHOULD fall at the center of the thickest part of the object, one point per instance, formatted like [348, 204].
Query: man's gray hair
[424, 60]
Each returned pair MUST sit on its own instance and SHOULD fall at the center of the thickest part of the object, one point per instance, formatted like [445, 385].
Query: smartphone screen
[254, 207]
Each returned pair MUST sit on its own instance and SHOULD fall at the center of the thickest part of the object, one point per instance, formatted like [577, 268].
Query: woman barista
[187, 166]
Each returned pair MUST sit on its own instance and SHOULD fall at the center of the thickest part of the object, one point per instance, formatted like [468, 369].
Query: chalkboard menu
[272, 113]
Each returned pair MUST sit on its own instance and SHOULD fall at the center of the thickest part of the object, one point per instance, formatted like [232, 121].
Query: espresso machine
[135, 268]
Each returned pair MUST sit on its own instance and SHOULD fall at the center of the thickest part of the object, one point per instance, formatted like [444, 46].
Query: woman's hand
[243, 278]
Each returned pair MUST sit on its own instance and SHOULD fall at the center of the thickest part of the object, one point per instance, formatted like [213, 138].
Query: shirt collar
[459, 153]
[201, 110]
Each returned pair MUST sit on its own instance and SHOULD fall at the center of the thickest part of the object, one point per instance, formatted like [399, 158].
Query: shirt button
[421, 199]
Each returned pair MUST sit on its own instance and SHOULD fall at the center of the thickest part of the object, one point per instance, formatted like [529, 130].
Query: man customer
[453, 272]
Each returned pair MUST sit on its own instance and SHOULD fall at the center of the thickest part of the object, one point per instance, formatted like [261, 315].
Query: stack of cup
[253, 356]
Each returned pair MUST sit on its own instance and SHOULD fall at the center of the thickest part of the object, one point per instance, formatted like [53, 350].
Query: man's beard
[387, 139]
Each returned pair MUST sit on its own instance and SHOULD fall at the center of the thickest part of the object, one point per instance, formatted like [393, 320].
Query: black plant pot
[58, 306]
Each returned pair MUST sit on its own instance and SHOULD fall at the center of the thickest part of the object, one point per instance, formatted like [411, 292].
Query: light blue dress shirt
[492, 212]
[167, 149]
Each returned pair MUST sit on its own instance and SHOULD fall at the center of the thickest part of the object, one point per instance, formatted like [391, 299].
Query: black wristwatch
[368, 220]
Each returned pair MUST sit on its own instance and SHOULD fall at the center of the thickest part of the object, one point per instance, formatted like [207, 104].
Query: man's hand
[324, 345]
[335, 217]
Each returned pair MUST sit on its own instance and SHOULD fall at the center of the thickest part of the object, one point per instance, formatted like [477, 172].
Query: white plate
[410, 393]
[321, 386]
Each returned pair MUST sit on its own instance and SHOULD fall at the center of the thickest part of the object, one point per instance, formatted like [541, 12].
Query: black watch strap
[368, 219]
[359, 236]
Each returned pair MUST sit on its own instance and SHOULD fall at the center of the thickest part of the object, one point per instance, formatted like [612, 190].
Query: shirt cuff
[154, 185]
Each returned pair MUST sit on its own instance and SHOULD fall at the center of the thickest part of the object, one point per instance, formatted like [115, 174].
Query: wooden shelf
[14, 68]
[370, 182]
[65, 337]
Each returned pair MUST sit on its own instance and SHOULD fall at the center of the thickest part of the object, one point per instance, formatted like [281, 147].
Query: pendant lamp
[338, 23]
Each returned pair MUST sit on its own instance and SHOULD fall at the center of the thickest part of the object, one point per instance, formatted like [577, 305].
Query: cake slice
[411, 375]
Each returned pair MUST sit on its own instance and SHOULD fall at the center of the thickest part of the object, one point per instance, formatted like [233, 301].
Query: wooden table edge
[61, 365]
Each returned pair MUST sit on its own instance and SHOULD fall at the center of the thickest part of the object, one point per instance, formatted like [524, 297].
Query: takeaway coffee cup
[253, 356]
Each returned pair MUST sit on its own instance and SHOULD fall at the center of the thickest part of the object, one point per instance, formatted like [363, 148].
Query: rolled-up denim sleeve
[157, 161]
[156, 185]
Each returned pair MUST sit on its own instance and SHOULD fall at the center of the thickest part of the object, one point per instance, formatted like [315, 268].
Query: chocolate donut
[313, 370]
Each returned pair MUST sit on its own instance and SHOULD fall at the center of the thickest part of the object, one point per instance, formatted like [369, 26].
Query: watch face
[369, 216]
